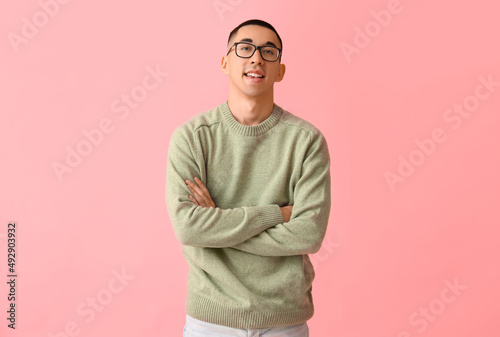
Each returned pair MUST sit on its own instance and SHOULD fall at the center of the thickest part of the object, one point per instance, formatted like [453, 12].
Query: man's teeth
[254, 75]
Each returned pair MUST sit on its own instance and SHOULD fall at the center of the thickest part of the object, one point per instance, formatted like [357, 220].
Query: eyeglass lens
[247, 50]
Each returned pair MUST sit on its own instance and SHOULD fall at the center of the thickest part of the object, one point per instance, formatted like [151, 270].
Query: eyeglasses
[246, 50]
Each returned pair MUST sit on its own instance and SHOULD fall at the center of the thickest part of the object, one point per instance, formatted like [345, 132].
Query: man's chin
[253, 91]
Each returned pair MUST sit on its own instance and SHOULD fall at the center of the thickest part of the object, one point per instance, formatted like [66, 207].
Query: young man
[248, 195]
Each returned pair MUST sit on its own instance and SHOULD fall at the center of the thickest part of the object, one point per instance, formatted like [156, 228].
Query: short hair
[258, 23]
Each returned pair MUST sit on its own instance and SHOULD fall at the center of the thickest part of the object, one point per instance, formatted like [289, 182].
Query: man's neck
[250, 111]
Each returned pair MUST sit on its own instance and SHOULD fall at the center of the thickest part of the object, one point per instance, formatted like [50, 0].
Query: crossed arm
[297, 235]
[259, 229]
[201, 197]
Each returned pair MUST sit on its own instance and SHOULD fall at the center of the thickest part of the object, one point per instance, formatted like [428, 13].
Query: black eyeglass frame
[259, 48]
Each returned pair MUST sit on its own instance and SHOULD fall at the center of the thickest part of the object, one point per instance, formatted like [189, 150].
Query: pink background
[391, 252]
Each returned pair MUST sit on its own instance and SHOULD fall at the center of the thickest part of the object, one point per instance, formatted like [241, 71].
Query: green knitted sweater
[248, 269]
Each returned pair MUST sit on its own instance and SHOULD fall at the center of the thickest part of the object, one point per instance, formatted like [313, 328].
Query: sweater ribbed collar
[248, 130]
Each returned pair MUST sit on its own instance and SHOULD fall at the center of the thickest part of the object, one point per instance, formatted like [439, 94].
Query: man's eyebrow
[268, 43]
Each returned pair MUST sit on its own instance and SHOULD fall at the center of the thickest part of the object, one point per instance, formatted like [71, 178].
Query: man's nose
[256, 57]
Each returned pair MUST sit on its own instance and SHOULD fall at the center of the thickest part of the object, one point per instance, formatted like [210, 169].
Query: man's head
[253, 74]
[261, 23]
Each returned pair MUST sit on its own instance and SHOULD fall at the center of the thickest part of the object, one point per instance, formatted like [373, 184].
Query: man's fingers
[205, 194]
[193, 200]
[192, 189]
[201, 195]
[197, 195]
[202, 186]
[202, 192]
[208, 197]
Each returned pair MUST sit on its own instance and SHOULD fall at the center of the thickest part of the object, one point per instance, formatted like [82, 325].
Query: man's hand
[286, 213]
[201, 195]
[202, 198]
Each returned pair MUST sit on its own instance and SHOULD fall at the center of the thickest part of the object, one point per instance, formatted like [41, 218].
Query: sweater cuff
[270, 215]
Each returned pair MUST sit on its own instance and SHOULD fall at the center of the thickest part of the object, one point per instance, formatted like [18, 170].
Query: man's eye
[269, 52]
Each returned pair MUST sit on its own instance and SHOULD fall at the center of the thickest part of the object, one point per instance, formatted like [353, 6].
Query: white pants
[197, 328]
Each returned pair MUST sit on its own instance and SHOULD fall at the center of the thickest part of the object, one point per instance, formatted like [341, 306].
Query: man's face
[237, 68]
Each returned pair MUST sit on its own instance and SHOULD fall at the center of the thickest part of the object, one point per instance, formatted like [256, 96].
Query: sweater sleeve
[305, 231]
[201, 226]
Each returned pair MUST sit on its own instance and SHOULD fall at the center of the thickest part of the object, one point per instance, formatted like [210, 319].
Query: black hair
[258, 23]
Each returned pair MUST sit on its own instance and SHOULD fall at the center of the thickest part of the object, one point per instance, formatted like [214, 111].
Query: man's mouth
[253, 74]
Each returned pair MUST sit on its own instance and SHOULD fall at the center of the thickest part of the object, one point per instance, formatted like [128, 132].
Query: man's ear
[224, 66]
[281, 73]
